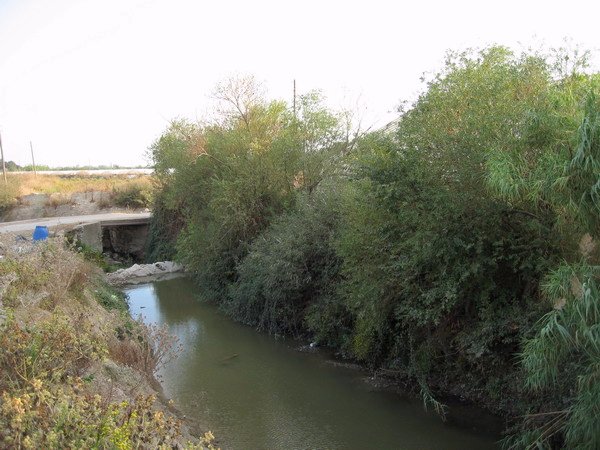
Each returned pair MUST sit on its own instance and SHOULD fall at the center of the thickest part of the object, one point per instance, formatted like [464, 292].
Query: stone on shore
[140, 272]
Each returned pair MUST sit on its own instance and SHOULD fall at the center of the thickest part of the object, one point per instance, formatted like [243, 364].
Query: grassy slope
[75, 370]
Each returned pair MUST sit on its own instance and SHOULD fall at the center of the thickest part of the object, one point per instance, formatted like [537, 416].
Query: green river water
[271, 396]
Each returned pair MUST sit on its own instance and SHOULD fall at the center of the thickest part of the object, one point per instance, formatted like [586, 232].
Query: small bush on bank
[56, 200]
[42, 275]
[8, 194]
[111, 298]
[133, 195]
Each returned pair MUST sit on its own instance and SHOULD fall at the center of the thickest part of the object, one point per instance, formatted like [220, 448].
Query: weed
[104, 202]
[134, 195]
[56, 200]
[8, 194]
[146, 348]
[44, 274]
[110, 298]
[52, 416]
[53, 339]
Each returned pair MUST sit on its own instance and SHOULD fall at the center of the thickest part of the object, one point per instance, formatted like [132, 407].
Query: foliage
[429, 275]
[229, 179]
[8, 194]
[11, 166]
[64, 416]
[133, 195]
[562, 358]
[164, 228]
[290, 267]
[57, 332]
[422, 249]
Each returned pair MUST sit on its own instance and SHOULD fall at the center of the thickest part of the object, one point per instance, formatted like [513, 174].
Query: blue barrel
[40, 233]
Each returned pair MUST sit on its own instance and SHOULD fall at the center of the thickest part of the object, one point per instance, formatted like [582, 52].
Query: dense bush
[418, 258]
[443, 249]
[230, 179]
[290, 267]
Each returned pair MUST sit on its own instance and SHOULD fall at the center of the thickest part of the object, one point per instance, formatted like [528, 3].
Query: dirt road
[54, 223]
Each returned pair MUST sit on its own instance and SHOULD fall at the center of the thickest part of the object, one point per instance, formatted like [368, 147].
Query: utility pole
[3, 161]
[294, 98]
[32, 158]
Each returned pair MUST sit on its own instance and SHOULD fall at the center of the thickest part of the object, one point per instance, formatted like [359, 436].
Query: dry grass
[59, 384]
[132, 191]
[56, 200]
[146, 348]
[9, 193]
[105, 202]
[53, 184]
[42, 273]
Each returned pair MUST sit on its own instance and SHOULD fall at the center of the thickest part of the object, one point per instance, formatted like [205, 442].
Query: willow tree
[556, 177]
[441, 275]
[231, 176]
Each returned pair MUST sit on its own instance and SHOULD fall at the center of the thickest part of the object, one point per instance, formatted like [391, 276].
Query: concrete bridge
[122, 233]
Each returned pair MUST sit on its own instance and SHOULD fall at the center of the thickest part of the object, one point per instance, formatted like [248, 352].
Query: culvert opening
[125, 242]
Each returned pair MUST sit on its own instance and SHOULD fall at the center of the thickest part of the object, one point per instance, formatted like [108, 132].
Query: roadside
[57, 223]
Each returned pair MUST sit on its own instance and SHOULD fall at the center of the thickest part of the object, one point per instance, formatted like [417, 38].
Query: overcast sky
[96, 81]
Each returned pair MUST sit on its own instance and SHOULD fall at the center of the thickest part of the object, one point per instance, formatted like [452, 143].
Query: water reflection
[258, 393]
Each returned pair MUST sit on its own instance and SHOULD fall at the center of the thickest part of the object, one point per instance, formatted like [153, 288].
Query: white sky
[96, 81]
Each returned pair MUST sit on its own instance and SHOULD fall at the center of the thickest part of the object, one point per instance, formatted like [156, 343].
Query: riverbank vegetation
[456, 248]
[75, 370]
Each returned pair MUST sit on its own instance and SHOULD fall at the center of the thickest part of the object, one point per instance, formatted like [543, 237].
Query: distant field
[130, 188]
[85, 172]
[69, 183]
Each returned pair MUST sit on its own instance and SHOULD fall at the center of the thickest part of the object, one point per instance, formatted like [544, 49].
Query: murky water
[255, 392]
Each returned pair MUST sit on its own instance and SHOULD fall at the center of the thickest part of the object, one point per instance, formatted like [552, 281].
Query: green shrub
[133, 195]
[428, 255]
[426, 266]
[289, 268]
[8, 194]
[165, 225]
[111, 298]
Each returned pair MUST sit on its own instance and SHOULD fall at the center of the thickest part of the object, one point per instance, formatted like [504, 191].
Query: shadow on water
[255, 392]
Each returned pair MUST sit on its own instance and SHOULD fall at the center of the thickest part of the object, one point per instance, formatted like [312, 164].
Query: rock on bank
[140, 273]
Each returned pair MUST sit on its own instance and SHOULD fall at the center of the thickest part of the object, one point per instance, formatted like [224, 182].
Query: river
[255, 392]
